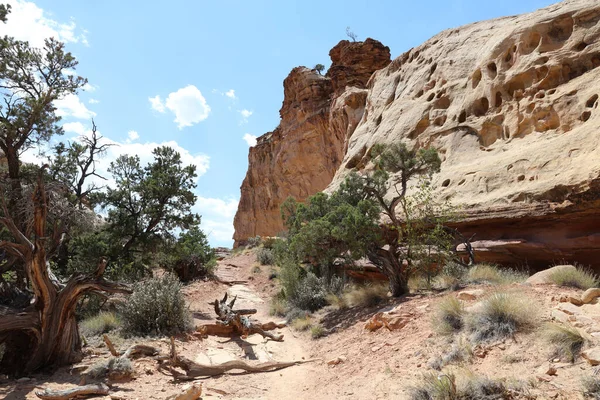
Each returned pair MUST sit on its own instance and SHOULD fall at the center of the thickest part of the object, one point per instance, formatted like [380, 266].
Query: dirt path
[290, 383]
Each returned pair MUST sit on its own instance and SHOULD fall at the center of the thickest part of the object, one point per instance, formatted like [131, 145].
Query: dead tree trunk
[45, 333]
[231, 321]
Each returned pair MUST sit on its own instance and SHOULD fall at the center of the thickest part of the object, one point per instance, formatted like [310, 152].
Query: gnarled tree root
[73, 393]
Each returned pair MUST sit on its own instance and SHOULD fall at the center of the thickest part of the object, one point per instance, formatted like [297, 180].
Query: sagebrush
[156, 307]
[265, 256]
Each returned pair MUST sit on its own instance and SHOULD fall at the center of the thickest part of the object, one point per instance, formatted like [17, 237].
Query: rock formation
[300, 157]
[512, 106]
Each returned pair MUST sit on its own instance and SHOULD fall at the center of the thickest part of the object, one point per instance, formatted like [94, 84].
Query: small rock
[569, 308]
[543, 378]
[336, 361]
[592, 355]
[590, 295]
[560, 316]
[471, 294]
[375, 348]
[571, 299]
[24, 379]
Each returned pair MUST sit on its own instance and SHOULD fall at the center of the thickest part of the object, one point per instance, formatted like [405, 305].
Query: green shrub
[368, 295]
[310, 294]
[265, 256]
[567, 342]
[317, 331]
[104, 322]
[449, 316]
[253, 242]
[156, 307]
[455, 270]
[581, 278]
[499, 316]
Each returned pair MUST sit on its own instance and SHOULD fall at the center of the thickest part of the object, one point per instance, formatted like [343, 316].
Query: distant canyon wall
[512, 106]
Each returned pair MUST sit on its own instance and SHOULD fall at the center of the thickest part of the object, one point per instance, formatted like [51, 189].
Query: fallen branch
[232, 322]
[110, 346]
[76, 392]
[194, 370]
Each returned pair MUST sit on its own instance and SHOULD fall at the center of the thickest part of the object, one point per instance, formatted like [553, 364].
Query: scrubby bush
[459, 352]
[580, 277]
[499, 316]
[102, 323]
[265, 256]
[115, 368]
[253, 242]
[444, 387]
[449, 316]
[433, 387]
[310, 294]
[156, 307]
[566, 341]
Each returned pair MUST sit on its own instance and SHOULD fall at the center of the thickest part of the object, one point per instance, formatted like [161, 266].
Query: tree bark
[45, 334]
[390, 264]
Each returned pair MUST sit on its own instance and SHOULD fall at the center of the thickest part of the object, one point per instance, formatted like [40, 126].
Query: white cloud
[74, 127]
[133, 135]
[245, 115]
[29, 22]
[217, 218]
[231, 94]
[89, 88]
[93, 101]
[250, 139]
[188, 105]
[71, 106]
[157, 104]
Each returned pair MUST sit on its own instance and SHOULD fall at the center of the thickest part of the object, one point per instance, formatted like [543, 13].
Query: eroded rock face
[300, 157]
[512, 106]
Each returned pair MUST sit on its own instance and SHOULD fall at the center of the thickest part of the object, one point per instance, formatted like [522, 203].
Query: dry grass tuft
[317, 331]
[500, 315]
[567, 342]
[449, 316]
[104, 322]
[302, 324]
[368, 295]
[580, 277]
[492, 274]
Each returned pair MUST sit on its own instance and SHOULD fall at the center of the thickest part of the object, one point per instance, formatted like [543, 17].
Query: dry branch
[76, 392]
[194, 370]
[230, 321]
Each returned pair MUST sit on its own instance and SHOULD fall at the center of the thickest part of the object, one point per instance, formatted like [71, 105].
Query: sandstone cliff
[512, 106]
[301, 156]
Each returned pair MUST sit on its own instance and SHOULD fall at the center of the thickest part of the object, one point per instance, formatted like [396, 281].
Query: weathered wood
[75, 392]
[195, 370]
[238, 322]
[110, 346]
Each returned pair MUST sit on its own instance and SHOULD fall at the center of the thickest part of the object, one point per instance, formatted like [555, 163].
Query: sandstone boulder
[590, 295]
[543, 277]
[592, 355]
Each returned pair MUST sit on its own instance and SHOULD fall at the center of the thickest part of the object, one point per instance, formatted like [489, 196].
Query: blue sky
[217, 68]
